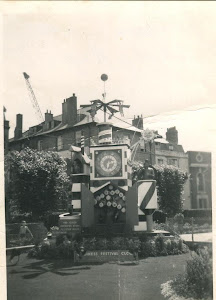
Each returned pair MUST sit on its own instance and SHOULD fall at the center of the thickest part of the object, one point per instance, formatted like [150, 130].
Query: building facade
[200, 179]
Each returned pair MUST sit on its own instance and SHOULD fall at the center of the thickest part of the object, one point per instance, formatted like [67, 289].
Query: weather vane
[109, 108]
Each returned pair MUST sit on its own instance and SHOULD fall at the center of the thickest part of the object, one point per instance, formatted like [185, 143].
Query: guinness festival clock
[108, 163]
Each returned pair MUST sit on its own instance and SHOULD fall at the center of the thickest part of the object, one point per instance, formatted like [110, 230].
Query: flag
[121, 109]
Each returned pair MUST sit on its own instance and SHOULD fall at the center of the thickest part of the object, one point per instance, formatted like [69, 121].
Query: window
[200, 182]
[157, 146]
[40, 145]
[160, 161]
[171, 147]
[173, 162]
[202, 203]
[59, 143]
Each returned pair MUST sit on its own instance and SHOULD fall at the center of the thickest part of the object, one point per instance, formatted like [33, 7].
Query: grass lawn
[60, 279]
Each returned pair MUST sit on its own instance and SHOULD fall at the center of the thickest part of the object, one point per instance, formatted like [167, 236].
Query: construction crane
[33, 98]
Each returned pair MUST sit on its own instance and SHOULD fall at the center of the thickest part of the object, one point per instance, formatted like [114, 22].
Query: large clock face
[108, 163]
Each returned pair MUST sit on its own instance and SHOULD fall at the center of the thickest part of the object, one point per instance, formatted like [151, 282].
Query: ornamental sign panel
[105, 256]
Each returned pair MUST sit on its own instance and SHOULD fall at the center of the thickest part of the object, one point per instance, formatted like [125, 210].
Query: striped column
[147, 201]
[82, 143]
[105, 133]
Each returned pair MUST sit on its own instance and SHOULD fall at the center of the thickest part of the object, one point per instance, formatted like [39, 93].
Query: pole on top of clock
[104, 78]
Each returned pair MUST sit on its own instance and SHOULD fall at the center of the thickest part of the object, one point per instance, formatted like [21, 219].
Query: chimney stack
[138, 122]
[48, 116]
[18, 129]
[6, 135]
[172, 135]
[69, 111]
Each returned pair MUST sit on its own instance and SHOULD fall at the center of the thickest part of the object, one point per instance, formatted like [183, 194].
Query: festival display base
[102, 256]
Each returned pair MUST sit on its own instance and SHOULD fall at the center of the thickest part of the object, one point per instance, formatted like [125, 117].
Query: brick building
[200, 179]
[57, 133]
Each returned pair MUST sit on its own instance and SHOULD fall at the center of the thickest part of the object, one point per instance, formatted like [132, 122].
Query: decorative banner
[105, 133]
[148, 135]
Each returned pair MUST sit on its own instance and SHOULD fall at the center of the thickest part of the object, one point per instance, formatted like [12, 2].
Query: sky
[160, 58]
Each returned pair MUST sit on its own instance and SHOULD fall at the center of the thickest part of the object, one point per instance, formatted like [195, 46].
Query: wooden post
[192, 223]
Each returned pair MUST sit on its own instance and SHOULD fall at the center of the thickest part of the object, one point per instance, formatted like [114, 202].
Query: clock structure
[108, 163]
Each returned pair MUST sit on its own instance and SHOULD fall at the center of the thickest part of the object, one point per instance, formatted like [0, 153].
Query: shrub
[197, 282]
[148, 248]
[60, 239]
[51, 220]
[101, 244]
[197, 213]
[118, 243]
[179, 218]
[133, 245]
[38, 182]
[160, 245]
[159, 216]
[187, 228]
[168, 245]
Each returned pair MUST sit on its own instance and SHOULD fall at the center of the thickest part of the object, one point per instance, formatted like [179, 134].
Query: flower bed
[143, 246]
[178, 228]
[196, 283]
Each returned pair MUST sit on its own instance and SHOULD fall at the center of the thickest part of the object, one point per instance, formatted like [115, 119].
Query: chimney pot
[18, 129]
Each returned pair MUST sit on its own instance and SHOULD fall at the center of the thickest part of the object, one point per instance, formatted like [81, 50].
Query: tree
[38, 181]
[170, 183]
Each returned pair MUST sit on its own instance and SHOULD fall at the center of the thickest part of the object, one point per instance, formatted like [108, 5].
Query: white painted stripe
[140, 213]
[76, 204]
[105, 132]
[125, 187]
[141, 227]
[93, 189]
[76, 187]
[143, 188]
[153, 203]
[106, 140]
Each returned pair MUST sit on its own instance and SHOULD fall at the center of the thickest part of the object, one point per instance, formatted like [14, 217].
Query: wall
[200, 162]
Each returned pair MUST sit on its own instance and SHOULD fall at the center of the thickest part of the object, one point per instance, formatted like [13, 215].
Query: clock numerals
[108, 163]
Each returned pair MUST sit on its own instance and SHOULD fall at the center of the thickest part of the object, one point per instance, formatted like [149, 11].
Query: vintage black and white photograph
[108, 126]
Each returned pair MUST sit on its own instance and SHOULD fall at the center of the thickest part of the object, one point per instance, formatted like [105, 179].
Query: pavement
[60, 279]
[198, 237]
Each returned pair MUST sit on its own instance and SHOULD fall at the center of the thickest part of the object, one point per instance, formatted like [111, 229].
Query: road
[60, 279]
[198, 237]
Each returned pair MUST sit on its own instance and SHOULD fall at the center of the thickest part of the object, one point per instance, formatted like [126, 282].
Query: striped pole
[82, 143]
[105, 133]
